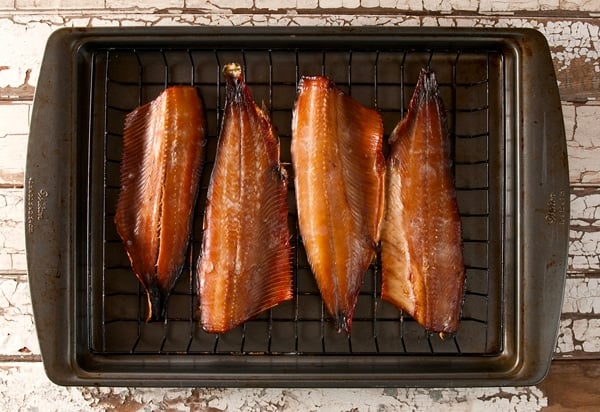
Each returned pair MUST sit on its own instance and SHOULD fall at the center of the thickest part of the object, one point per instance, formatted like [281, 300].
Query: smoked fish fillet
[339, 180]
[421, 247]
[245, 265]
[163, 152]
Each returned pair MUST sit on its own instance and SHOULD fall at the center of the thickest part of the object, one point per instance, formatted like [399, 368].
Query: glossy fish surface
[421, 246]
[339, 181]
[245, 265]
[163, 152]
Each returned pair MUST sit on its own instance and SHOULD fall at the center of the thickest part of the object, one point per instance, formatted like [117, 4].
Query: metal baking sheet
[510, 166]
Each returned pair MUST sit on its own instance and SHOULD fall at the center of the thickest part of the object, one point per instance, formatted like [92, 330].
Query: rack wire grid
[472, 86]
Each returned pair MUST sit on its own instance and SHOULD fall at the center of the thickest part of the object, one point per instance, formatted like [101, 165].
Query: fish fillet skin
[245, 265]
[163, 153]
[339, 181]
[421, 246]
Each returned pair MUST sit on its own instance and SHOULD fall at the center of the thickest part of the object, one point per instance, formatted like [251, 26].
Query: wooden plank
[574, 37]
[572, 386]
[12, 232]
[583, 142]
[584, 230]
[18, 338]
[569, 386]
[579, 333]
[14, 130]
[575, 49]
[24, 387]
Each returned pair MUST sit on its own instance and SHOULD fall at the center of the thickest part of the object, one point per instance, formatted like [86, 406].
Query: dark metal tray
[505, 118]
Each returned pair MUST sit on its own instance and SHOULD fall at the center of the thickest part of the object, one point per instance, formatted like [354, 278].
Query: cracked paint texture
[17, 332]
[43, 395]
[582, 296]
[414, 5]
[575, 49]
[584, 249]
[572, 43]
[12, 235]
[583, 144]
[14, 130]
[579, 336]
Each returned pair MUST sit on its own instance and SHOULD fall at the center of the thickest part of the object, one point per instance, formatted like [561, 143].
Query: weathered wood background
[572, 28]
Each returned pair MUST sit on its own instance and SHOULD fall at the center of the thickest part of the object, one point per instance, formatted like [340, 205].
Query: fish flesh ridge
[339, 182]
[423, 271]
[163, 152]
[245, 265]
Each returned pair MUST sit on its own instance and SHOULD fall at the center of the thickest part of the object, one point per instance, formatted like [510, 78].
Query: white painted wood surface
[572, 29]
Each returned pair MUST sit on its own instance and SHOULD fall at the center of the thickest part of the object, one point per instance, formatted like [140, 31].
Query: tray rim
[52, 274]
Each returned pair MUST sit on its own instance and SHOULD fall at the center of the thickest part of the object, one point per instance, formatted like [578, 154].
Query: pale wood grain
[572, 30]
[572, 386]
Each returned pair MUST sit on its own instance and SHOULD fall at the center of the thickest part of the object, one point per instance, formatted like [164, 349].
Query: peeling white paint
[43, 395]
[565, 343]
[584, 145]
[17, 331]
[582, 296]
[578, 40]
[584, 249]
[587, 332]
[12, 233]
[24, 385]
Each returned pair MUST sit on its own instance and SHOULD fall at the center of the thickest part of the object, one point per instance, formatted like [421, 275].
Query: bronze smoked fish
[245, 266]
[163, 151]
[421, 245]
[339, 181]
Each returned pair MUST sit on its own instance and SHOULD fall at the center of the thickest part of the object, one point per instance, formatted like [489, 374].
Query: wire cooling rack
[472, 87]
